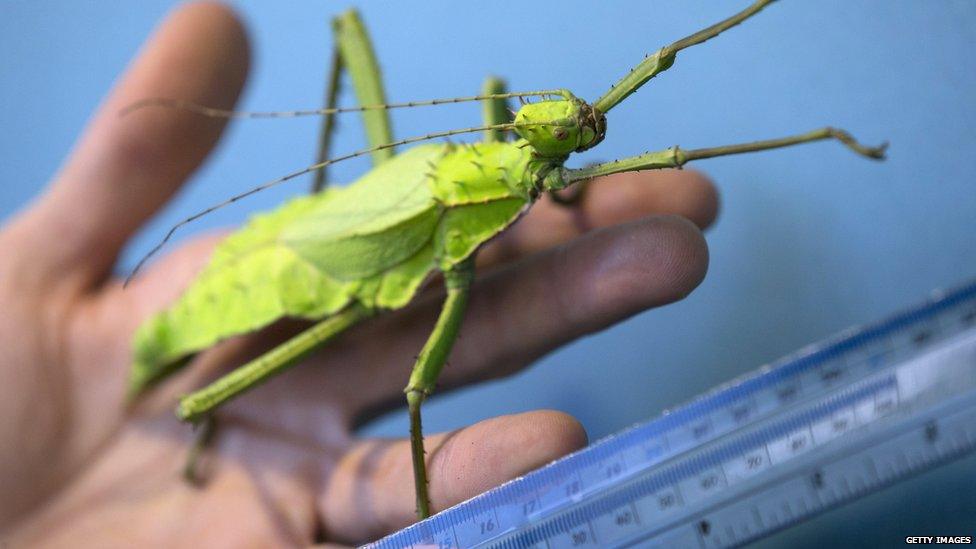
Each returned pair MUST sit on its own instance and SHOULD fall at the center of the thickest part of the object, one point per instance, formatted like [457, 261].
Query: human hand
[77, 467]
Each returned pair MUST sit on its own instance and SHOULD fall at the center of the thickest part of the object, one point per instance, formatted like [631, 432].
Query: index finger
[124, 168]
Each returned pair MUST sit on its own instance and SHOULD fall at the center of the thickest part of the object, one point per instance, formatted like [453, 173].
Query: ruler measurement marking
[757, 420]
[840, 403]
[691, 472]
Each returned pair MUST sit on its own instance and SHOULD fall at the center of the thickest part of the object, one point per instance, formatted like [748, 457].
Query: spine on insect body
[482, 188]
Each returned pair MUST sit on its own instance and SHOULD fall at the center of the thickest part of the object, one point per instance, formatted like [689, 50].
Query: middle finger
[522, 311]
[607, 201]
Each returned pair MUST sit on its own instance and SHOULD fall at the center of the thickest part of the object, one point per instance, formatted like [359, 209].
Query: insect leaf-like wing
[371, 242]
[382, 220]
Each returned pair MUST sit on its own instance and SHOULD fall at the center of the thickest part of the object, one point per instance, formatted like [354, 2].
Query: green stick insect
[340, 256]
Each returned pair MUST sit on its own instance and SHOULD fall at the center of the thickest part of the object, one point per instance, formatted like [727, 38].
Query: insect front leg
[676, 157]
[663, 59]
[428, 367]
[573, 196]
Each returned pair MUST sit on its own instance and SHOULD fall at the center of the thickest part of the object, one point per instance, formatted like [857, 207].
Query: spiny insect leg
[359, 59]
[495, 111]
[427, 369]
[353, 53]
[197, 406]
[675, 157]
[327, 128]
[663, 59]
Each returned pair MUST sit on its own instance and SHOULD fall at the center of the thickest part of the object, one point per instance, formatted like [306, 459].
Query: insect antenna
[225, 113]
[315, 167]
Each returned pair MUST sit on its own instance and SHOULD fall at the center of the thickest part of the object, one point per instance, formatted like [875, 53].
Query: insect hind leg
[203, 438]
[352, 48]
[495, 111]
[353, 53]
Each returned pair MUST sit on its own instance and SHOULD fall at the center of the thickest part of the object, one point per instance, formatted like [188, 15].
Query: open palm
[77, 467]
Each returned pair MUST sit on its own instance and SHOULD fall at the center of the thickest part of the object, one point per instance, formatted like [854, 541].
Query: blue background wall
[810, 240]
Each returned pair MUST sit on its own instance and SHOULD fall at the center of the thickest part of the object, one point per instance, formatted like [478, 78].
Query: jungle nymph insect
[340, 256]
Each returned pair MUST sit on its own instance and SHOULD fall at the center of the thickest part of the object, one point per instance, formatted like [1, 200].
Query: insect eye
[560, 134]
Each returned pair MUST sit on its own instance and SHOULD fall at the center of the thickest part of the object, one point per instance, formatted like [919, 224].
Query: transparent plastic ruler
[828, 424]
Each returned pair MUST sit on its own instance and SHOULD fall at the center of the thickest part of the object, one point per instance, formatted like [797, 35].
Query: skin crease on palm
[286, 469]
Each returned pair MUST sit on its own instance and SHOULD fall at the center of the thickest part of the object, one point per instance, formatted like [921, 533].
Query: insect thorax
[484, 172]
